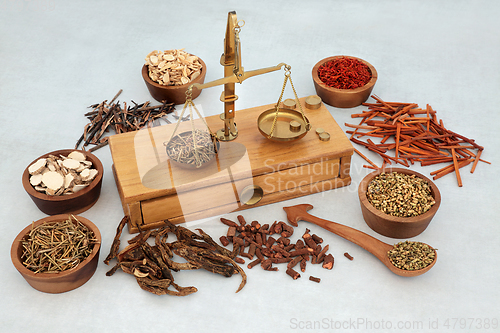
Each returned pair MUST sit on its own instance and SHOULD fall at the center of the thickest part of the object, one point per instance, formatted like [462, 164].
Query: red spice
[344, 73]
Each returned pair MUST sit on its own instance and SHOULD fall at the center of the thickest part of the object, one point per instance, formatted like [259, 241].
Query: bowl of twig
[192, 149]
[398, 202]
[58, 253]
[344, 81]
[168, 75]
[66, 181]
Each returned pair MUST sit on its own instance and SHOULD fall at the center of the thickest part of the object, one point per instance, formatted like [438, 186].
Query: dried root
[152, 266]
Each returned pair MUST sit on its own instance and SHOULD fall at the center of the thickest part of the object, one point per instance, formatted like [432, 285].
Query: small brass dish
[282, 131]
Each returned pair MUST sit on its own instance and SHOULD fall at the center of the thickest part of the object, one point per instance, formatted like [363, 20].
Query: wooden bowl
[63, 281]
[343, 98]
[75, 203]
[393, 226]
[173, 94]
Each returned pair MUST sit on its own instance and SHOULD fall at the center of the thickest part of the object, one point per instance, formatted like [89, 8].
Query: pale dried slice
[81, 168]
[68, 180]
[88, 174]
[53, 180]
[39, 188]
[87, 163]
[76, 155]
[36, 179]
[153, 59]
[37, 167]
[168, 57]
[51, 167]
[77, 188]
[71, 163]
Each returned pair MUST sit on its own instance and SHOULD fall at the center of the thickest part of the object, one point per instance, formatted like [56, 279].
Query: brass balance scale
[271, 155]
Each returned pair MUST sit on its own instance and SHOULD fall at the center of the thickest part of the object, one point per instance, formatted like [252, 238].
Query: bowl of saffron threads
[344, 81]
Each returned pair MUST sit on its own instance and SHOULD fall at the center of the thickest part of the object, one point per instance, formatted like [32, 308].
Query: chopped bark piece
[328, 261]
[314, 279]
[348, 256]
[293, 273]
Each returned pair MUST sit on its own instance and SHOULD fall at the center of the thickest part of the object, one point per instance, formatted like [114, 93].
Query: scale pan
[290, 125]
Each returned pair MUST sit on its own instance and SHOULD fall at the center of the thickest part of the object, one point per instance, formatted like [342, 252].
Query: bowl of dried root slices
[168, 74]
[64, 181]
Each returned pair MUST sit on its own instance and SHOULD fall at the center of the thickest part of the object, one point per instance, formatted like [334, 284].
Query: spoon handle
[367, 242]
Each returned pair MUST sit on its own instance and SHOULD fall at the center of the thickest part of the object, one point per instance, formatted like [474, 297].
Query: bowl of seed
[58, 253]
[344, 81]
[397, 202]
[168, 74]
[66, 181]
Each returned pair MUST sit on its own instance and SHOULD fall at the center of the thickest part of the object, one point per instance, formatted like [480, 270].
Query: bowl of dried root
[397, 202]
[168, 74]
[65, 181]
[58, 253]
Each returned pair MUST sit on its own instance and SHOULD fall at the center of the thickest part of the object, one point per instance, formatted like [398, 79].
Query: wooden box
[152, 189]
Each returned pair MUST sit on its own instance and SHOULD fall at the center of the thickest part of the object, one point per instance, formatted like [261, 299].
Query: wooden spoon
[376, 247]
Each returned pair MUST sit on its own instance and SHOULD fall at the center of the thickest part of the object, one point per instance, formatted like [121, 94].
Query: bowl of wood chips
[168, 74]
[65, 181]
[58, 253]
[398, 202]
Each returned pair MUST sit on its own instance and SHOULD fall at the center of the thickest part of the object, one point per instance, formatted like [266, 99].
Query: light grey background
[59, 57]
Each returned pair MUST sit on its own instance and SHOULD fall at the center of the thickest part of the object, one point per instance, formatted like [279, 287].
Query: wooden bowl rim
[412, 219]
[58, 198]
[368, 85]
[46, 277]
[145, 75]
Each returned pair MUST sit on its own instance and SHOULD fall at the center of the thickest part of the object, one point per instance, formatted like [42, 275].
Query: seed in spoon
[411, 256]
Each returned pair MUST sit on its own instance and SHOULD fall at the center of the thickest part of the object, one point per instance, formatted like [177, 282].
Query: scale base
[152, 190]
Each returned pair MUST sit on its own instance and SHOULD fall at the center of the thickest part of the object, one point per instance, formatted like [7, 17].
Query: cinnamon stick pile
[121, 119]
[414, 135]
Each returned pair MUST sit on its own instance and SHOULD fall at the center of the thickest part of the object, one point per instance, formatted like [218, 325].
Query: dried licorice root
[152, 265]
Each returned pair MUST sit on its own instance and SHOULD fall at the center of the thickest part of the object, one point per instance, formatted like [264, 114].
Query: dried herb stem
[121, 119]
[57, 246]
[417, 133]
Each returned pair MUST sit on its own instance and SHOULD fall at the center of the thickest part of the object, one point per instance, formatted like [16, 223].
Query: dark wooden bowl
[173, 94]
[343, 98]
[75, 203]
[63, 281]
[393, 226]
